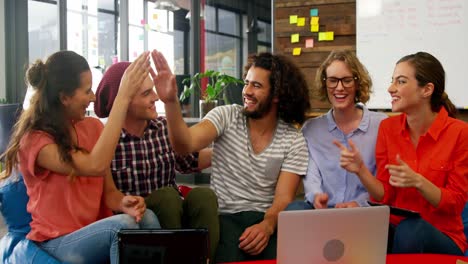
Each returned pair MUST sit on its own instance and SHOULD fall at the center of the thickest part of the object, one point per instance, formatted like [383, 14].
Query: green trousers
[231, 228]
[198, 210]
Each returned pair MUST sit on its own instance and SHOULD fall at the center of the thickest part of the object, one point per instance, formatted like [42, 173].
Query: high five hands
[163, 80]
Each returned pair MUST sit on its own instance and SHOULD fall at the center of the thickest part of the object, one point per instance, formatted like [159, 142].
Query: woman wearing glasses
[422, 160]
[345, 83]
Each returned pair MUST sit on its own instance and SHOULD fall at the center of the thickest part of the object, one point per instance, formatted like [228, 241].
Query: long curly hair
[364, 82]
[287, 84]
[428, 69]
[59, 75]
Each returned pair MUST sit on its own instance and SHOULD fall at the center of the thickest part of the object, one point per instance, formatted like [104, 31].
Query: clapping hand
[350, 159]
[401, 175]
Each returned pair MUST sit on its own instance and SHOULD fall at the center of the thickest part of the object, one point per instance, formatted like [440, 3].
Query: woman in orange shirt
[64, 157]
[422, 160]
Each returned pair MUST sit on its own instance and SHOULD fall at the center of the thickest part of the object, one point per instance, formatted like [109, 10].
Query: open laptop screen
[158, 246]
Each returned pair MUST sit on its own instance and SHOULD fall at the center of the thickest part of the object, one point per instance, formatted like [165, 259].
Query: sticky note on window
[296, 51]
[155, 16]
[313, 12]
[143, 21]
[314, 20]
[314, 28]
[293, 19]
[300, 21]
[294, 38]
[309, 43]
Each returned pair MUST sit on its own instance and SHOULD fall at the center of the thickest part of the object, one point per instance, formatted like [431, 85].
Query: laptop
[348, 236]
[163, 246]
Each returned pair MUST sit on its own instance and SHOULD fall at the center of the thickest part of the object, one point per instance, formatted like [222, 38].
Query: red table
[395, 259]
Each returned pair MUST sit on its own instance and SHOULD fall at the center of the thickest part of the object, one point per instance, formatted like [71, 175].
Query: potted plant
[217, 83]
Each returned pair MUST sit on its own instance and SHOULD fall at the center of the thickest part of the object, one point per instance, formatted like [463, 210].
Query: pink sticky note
[309, 43]
[143, 21]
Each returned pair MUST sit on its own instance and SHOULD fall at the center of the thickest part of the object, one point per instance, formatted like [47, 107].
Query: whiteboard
[387, 30]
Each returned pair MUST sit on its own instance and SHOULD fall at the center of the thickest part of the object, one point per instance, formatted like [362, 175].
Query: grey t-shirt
[243, 180]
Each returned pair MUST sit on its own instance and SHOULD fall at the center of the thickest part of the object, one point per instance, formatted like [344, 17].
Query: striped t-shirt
[243, 180]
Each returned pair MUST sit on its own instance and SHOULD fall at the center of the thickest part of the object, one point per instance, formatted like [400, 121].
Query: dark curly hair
[287, 84]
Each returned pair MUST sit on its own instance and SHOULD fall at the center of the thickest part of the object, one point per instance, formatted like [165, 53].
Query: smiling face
[407, 95]
[258, 100]
[142, 106]
[75, 105]
[341, 97]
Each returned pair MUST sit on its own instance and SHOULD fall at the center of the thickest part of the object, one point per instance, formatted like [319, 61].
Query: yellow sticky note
[296, 51]
[321, 36]
[155, 16]
[294, 38]
[314, 28]
[314, 20]
[309, 43]
[329, 35]
[292, 19]
[301, 21]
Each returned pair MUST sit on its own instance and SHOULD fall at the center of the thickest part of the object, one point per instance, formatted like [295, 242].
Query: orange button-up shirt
[441, 156]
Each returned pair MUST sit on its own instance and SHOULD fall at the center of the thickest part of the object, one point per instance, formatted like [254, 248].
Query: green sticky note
[292, 19]
[313, 12]
[321, 36]
[301, 21]
[294, 38]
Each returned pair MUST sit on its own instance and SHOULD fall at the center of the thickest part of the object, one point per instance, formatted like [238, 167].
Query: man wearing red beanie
[145, 163]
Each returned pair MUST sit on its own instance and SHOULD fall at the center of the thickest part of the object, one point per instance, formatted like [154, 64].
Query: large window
[223, 41]
[43, 30]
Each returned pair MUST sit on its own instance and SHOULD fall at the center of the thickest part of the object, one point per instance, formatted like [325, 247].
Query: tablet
[396, 210]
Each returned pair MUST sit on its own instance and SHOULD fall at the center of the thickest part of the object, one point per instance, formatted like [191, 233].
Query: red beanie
[108, 88]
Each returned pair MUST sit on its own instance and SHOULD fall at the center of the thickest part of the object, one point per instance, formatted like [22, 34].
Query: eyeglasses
[347, 82]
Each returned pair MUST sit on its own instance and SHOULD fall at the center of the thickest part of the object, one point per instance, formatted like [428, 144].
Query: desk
[395, 259]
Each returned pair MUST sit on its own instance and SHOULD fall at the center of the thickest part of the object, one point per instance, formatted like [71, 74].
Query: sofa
[14, 246]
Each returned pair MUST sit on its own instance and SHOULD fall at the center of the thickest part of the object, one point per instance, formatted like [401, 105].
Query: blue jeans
[415, 235]
[97, 242]
[299, 205]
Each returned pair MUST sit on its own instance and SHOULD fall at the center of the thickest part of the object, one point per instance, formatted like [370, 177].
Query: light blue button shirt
[324, 174]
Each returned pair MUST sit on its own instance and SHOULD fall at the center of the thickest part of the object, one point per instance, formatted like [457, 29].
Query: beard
[262, 109]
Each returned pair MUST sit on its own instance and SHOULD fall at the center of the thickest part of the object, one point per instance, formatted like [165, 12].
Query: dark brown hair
[59, 75]
[428, 69]
[287, 84]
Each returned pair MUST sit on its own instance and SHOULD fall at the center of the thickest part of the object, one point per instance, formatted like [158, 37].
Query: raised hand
[350, 159]
[401, 175]
[134, 76]
[164, 81]
[134, 206]
[321, 201]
